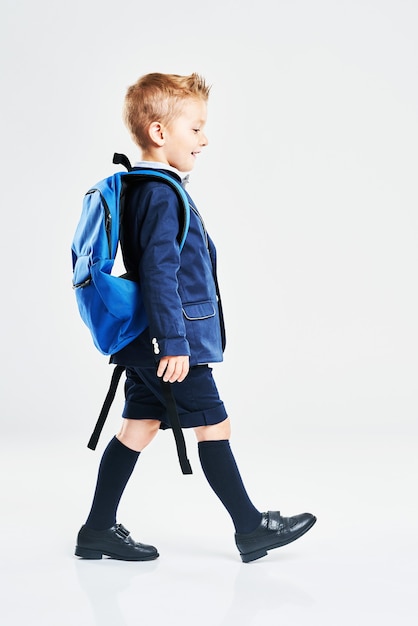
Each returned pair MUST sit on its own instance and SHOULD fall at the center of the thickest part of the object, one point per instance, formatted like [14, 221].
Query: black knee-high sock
[115, 469]
[222, 473]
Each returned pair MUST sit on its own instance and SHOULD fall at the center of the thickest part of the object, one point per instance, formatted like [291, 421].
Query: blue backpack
[111, 306]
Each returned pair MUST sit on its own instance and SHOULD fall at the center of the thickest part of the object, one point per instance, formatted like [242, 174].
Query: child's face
[184, 136]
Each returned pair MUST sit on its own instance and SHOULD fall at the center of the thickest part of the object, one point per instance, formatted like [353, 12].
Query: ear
[156, 133]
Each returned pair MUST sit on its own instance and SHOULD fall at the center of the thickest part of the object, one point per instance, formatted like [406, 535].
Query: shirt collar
[155, 165]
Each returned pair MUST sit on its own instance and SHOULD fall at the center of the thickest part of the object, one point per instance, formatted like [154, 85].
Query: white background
[308, 187]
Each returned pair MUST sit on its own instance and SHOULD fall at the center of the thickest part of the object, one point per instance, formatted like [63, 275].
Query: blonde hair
[158, 97]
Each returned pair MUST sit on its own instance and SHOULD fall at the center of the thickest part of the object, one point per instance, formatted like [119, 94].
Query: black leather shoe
[274, 531]
[115, 542]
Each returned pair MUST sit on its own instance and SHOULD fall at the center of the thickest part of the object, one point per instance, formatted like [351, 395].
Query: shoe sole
[258, 554]
[95, 555]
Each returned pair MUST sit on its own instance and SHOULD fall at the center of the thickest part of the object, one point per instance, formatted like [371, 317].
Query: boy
[166, 115]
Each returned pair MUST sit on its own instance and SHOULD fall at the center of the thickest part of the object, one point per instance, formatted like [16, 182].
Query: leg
[222, 474]
[256, 532]
[138, 434]
[116, 467]
[214, 432]
[100, 534]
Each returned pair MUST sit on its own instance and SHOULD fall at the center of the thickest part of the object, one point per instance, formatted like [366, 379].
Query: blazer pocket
[199, 310]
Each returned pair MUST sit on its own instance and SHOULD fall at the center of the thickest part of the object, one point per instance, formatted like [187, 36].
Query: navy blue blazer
[180, 290]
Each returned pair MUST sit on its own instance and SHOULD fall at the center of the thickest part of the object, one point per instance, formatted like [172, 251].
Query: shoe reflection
[104, 581]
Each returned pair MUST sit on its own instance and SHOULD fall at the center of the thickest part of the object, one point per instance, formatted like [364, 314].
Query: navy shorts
[197, 398]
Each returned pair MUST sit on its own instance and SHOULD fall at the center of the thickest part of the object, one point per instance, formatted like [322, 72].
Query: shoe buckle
[121, 531]
[275, 521]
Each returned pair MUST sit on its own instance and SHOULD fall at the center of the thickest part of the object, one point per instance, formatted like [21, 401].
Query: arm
[158, 267]
[173, 368]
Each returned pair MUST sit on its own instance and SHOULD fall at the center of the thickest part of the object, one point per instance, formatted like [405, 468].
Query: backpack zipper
[108, 226]
[107, 220]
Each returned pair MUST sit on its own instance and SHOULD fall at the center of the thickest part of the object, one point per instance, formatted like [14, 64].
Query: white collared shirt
[156, 165]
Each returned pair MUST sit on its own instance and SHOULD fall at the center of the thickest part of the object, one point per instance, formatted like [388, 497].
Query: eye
[196, 130]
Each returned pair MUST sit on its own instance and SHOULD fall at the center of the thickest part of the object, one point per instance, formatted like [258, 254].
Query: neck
[152, 154]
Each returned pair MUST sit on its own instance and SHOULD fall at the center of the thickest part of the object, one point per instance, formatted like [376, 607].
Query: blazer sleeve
[159, 264]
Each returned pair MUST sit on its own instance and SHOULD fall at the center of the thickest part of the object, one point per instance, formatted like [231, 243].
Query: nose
[203, 139]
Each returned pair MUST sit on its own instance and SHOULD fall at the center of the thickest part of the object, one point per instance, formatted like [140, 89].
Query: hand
[173, 368]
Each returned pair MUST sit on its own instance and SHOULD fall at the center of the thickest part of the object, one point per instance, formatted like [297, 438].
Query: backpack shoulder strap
[171, 410]
[173, 415]
[122, 159]
[110, 396]
[150, 174]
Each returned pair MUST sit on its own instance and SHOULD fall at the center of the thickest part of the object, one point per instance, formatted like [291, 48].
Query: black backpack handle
[122, 159]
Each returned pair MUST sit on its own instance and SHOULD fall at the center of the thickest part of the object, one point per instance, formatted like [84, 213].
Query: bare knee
[214, 432]
[137, 434]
